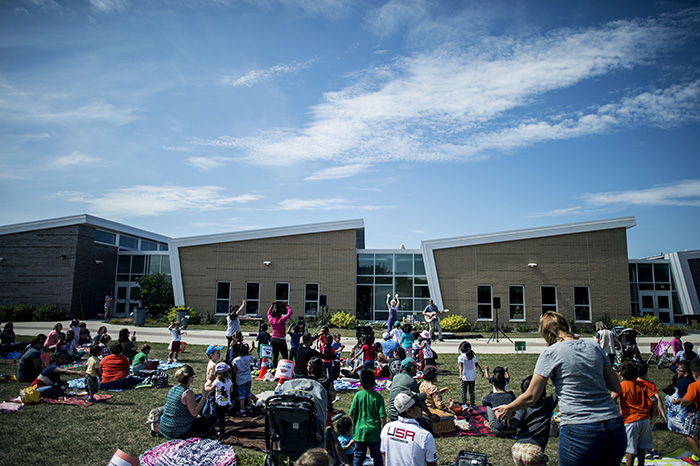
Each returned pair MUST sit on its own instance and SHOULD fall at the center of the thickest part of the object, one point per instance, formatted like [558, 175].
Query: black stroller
[295, 421]
[626, 348]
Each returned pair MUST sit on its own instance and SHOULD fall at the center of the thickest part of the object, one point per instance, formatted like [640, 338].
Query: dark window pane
[281, 291]
[383, 280]
[581, 295]
[384, 264]
[661, 273]
[549, 295]
[404, 287]
[365, 264]
[252, 291]
[251, 307]
[365, 280]
[645, 273]
[404, 264]
[311, 292]
[662, 286]
[421, 280]
[483, 295]
[121, 292]
[422, 291]
[128, 242]
[663, 302]
[105, 237]
[583, 313]
[633, 273]
[419, 265]
[634, 294]
[138, 264]
[148, 245]
[646, 286]
[223, 290]
[124, 264]
[549, 308]
[664, 317]
[647, 302]
[515, 295]
[165, 265]
[222, 307]
[483, 311]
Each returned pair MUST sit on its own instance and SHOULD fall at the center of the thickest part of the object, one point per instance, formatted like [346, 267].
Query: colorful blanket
[191, 451]
[9, 406]
[76, 400]
[350, 384]
[477, 424]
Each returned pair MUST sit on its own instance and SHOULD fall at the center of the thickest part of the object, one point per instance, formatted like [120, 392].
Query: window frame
[511, 304]
[490, 303]
[588, 305]
[226, 300]
[249, 300]
[288, 292]
[543, 304]
[317, 301]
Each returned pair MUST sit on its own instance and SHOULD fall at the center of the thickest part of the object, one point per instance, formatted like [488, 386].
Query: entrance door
[125, 304]
[656, 303]
[363, 309]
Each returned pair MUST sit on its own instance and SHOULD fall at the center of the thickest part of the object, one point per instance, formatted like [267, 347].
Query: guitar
[430, 316]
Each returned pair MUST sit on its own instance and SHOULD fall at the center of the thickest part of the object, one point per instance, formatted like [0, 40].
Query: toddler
[223, 387]
[396, 332]
[497, 370]
[347, 443]
[92, 372]
[214, 354]
[494, 400]
[104, 343]
[467, 369]
[175, 337]
[141, 359]
[424, 345]
[244, 380]
[295, 334]
[407, 339]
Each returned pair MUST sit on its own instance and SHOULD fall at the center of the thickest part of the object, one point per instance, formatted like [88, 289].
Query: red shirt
[368, 352]
[114, 367]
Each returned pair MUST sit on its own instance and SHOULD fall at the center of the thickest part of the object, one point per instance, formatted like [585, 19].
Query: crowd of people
[605, 415]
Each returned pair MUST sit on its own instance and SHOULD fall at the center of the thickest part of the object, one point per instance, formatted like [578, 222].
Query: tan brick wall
[595, 259]
[327, 258]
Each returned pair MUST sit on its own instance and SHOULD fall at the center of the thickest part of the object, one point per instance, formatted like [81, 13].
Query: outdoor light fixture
[532, 265]
[63, 256]
[98, 262]
[2, 259]
[267, 262]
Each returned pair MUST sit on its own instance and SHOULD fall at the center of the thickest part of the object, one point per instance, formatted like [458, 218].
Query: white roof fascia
[267, 233]
[175, 244]
[389, 251]
[540, 232]
[428, 247]
[79, 220]
[680, 268]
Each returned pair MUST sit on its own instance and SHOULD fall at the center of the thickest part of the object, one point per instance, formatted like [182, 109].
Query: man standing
[432, 316]
[404, 442]
[109, 306]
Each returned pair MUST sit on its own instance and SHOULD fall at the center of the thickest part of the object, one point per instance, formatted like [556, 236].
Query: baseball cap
[222, 367]
[404, 401]
[386, 335]
[213, 348]
[408, 363]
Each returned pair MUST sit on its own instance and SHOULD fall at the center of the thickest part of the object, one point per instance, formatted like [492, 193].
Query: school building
[581, 270]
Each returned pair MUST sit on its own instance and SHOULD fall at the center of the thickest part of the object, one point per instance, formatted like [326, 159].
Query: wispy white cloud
[157, 200]
[108, 6]
[334, 173]
[74, 159]
[254, 77]
[323, 204]
[456, 105]
[206, 163]
[685, 193]
[46, 6]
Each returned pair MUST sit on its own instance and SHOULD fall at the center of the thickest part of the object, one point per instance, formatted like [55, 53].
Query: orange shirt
[651, 385]
[634, 401]
[693, 394]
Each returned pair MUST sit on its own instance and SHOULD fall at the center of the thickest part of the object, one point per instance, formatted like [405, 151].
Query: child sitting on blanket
[497, 369]
[141, 360]
[494, 400]
[532, 426]
[104, 343]
[244, 379]
[347, 443]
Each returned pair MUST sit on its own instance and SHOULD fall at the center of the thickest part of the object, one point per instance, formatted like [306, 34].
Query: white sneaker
[175, 360]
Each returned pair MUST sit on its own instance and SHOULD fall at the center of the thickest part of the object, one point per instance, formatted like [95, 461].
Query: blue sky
[428, 119]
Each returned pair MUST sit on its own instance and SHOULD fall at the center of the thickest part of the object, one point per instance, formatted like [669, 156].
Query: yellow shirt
[93, 366]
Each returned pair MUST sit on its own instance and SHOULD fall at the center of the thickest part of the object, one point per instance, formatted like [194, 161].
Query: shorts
[92, 384]
[244, 390]
[638, 436]
[174, 346]
[368, 364]
[528, 454]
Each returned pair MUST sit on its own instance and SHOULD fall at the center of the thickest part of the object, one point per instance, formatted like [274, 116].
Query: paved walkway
[534, 345]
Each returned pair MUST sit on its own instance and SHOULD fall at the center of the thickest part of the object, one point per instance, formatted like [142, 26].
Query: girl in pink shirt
[279, 332]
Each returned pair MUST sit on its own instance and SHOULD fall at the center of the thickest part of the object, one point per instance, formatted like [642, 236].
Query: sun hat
[430, 371]
[404, 401]
[386, 335]
[213, 348]
[222, 367]
[408, 363]
[425, 335]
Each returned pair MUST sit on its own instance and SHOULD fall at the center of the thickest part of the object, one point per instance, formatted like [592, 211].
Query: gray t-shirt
[402, 383]
[576, 370]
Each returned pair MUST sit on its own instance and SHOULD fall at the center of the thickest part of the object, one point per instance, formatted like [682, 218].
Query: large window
[223, 297]
[282, 292]
[549, 298]
[128, 242]
[516, 302]
[252, 298]
[582, 304]
[107, 237]
[484, 306]
[311, 299]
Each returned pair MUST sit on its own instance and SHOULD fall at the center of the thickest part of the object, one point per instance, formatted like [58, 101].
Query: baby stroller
[295, 421]
[626, 348]
[661, 353]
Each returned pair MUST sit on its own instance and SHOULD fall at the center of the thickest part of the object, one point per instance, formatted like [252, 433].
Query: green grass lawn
[70, 435]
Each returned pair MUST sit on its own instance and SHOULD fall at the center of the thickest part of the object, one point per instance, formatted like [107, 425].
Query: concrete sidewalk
[534, 345]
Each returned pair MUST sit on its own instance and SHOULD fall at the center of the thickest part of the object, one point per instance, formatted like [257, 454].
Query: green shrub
[221, 323]
[195, 317]
[24, 313]
[342, 319]
[455, 323]
[646, 325]
[524, 328]
[7, 312]
[48, 313]
[486, 328]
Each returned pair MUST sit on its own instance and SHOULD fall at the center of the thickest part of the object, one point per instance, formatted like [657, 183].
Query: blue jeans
[121, 384]
[595, 443]
[374, 452]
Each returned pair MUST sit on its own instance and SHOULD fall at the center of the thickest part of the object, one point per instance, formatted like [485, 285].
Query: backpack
[159, 379]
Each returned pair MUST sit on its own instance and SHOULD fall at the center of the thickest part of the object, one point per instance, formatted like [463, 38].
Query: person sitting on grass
[141, 359]
[497, 369]
[533, 425]
[497, 398]
[29, 366]
[434, 394]
[692, 397]
[684, 420]
[49, 382]
[115, 371]
[180, 417]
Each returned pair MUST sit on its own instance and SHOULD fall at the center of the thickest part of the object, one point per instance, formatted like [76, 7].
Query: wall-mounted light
[63, 256]
[2, 259]
[532, 265]
[98, 262]
[267, 262]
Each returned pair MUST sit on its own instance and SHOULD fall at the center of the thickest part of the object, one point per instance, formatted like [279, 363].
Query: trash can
[184, 318]
[140, 316]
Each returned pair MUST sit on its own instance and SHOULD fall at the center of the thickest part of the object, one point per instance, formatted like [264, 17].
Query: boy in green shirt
[368, 416]
[141, 359]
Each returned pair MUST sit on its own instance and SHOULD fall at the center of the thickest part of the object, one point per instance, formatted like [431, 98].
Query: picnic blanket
[10, 406]
[187, 452]
[247, 432]
[353, 384]
[8, 378]
[76, 400]
[12, 355]
[477, 424]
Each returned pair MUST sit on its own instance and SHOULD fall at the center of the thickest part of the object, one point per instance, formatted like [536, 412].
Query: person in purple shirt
[278, 320]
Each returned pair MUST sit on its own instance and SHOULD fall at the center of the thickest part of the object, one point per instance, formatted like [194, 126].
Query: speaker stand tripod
[495, 334]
